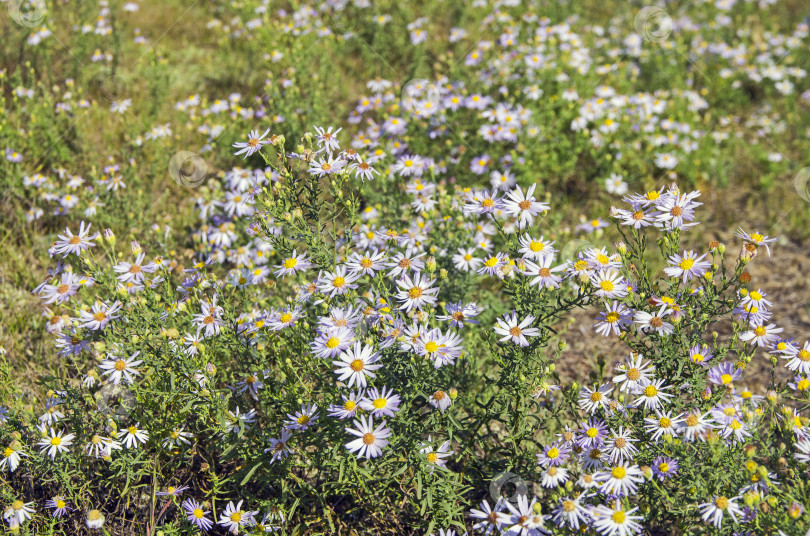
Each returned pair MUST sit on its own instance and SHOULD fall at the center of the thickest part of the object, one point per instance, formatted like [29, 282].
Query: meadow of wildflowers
[431, 268]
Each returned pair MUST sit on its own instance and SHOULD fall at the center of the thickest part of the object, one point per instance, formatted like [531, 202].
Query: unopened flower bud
[430, 264]
[109, 236]
[135, 247]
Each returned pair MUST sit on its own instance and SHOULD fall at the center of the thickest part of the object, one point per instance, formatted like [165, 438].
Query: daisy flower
[677, 211]
[20, 511]
[134, 436]
[756, 239]
[648, 322]
[440, 400]
[489, 519]
[118, 368]
[541, 272]
[802, 453]
[337, 283]
[555, 454]
[417, 292]
[436, 458]
[525, 520]
[554, 477]
[303, 419]
[278, 447]
[356, 364]
[517, 332]
[293, 264]
[591, 400]
[535, 249]
[662, 424]
[688, 266]
[233, 517]
[465, 260]
[714, 510]
[592, 433]
[12, 456]
[798, 358]
[571, 513]
[664, 467]
[196, 515]
[524, 207]
[59, 506]
[621, 479]
[458, 314]
[100, 315]
[76, 244]
[651, 394]
[700, 354]
[615, 521]
[632, 373]
[380, 403]
[614, 319]
[255, 143]
[349, 406]
[332, 342]
[724, 374]
[327, 139]
[366, 264]
[482, 202]
[761, 335]
[609, 284]
[55, 442]
[620, 445]
[370, 440]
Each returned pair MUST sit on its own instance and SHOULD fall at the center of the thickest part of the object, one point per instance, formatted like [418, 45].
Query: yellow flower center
[618, 472]
[721, 503]
[686, 264]
[618, 517]
[431, 347]
[650, 391]
[332, 342]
